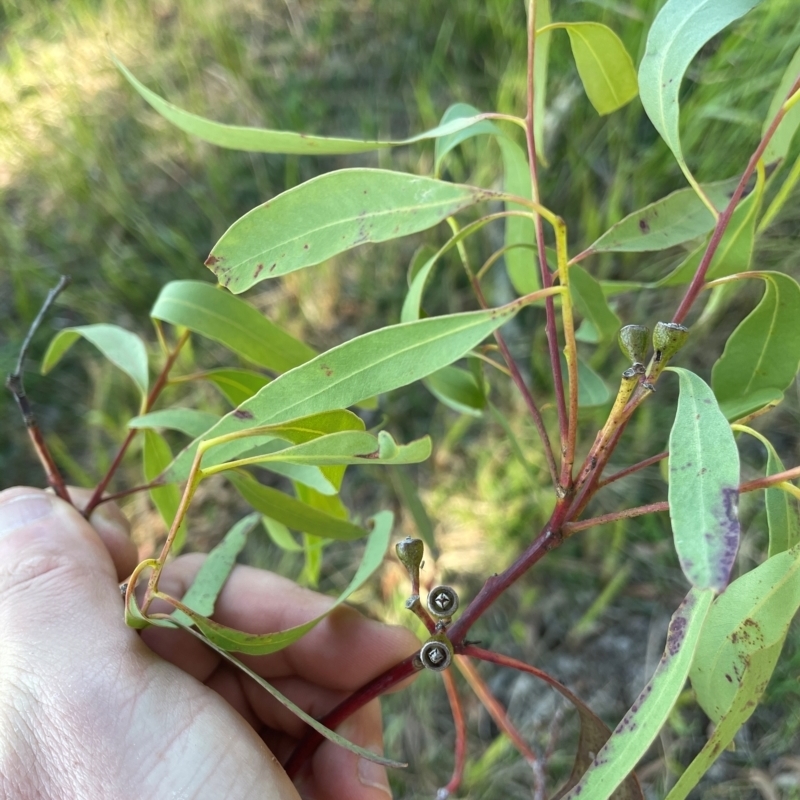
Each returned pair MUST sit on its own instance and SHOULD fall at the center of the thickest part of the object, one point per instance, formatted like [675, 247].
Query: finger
[113, 528]
[337, 773]
[355, 648]
[53, 566]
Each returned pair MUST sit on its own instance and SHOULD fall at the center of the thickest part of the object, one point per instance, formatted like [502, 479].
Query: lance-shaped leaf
[237, 385]
[346, 447]
[703, 486]
[261, 140]
[156, 455]
[735, 250]
[368, 365]
[202, 595]
[261, 446]
[447, 143]
[672, 220]
[640, 726]
[761, 356]
[293, 707]
[591, 304]
[748, 693]
[232, 640]
[541, 60]
[604, 65]
[186, 420]
[782, 517]
[122, 348]
[235, 324]
[457, 389]
[678, 32]
[521, 263]
[328, 215]
[752, 615]
[281, 535]
[781, 141]
[291, 512]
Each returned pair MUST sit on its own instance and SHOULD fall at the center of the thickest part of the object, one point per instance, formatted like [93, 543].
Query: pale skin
[89, 708]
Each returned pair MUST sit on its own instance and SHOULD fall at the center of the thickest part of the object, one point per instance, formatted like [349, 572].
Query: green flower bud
[410, 552]
[633, 341]
[668, 338]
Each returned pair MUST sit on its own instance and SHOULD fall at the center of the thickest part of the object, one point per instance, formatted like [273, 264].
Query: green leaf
[444, 144]
[748, 694]
[640, 726]
[703, 486]
[329, 215]
[761, 356]
[156, 456]
[521, 263]
[202, 595]
[752, 615]
[186, 420]
[457, 389]
[295, 709]
[345, 447]
[604, 65]
[376, 362]
[734, 252]
[541, 58]
[237, 385]
[280, 535]
[592, 389]
[215, 314]
[672, 220]
[782, 518]
[235, 641]
[291, 512]
[591, 303]
[678, 32]
[261, 140]
[122, 348]
[778, 147]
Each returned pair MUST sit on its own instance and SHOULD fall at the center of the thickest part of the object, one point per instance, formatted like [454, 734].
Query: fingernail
[372, 774]
[23, 509]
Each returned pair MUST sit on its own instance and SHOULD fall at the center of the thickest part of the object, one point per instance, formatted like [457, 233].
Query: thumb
[52, 562]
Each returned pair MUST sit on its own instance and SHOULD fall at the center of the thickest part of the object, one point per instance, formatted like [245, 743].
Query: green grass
[95, 185]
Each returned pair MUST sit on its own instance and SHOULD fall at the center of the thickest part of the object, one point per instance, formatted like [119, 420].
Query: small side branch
[623, 473]
[500, 717]
[574, 527]
[16, 386]
[460, 725]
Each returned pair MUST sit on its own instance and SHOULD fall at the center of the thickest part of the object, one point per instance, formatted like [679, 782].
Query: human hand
[91, 709]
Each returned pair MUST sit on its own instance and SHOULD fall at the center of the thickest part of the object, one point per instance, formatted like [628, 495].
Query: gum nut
[633, 341]
[668, 338]
[410, 552]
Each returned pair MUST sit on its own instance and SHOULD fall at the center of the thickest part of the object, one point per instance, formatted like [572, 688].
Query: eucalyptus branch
[158, 386]
[547, 278]
[696, 286]
[16, 386]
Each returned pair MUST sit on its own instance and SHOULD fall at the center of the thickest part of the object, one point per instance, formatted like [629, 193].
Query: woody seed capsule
[668, 338]
[633, 342]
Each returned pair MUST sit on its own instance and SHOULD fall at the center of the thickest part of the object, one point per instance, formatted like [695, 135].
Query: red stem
[696, 286]
[574, 527]
[158, 386]
[547, 278]
[623, 473]
[375, 688]
[460, 751]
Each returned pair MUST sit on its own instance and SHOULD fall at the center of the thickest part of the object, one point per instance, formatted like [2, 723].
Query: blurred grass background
[95, 185]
